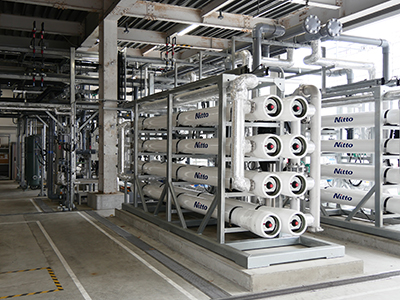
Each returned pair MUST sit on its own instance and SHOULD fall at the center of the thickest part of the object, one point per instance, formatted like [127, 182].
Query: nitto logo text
[200, 206]
[341, 171]
[342, 145]
[198, 175]
[343, 120]
[201, 115]
[342, 197]
[200, 145]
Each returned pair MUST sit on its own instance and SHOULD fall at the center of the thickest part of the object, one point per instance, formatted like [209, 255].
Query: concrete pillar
[108, 197]
[108, 79]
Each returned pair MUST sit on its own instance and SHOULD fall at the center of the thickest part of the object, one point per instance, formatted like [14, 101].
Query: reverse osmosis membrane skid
[237, 148]
[363, 149]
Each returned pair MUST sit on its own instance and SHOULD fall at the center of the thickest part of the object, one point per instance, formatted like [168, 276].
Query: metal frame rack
[362, 92]
[236, 251]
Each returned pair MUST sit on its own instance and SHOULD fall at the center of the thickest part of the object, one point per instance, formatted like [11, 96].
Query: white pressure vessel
[268, 146]
[293, 184]
[265, 184]
[294, 146]
[265, 108]
[294, 108]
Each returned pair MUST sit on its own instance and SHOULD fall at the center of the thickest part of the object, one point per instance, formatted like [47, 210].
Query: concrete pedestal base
[105, 204]
[255, 280]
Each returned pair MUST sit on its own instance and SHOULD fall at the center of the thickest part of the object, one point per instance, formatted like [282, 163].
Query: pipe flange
[312, 24]
[334, 27]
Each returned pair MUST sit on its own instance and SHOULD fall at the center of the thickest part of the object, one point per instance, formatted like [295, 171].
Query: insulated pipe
[390, 146]
[359, 172]
[258, 31]
[274, 62]
[366, 119]
[375, 42]
[315, 136]
[239, 94]
[341, 196]
[316, 59]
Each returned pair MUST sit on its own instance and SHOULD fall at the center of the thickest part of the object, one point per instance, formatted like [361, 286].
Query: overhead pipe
[332, 29]
[384, 44]
[390, 146]
[364, 119]
[360, 172]
[315, 136]
[269, 31]
[277, 62]
[310, 25]
[391, 203]
[316, 59]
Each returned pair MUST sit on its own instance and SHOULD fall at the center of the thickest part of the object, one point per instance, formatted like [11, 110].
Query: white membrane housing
[266, 185]
[391, 146]
[294, 146]
[365, 119]
[199, 117]
[265, 108]
[293, 184]
[268, 146]
[294, 108]
[359, 172]
[293, 222]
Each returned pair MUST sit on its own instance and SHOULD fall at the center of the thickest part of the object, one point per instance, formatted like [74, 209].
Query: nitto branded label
[199, 205]
[343, 120]
[342, 145]
[200, 145]
[341, 171]
[199, 175]
[342, 197]
[201, 115]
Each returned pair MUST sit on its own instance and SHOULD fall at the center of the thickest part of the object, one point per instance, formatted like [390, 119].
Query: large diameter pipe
[239, 94]
[359, 172]
[353, 197]
[366, 119]
[391, 146]
[315, 135]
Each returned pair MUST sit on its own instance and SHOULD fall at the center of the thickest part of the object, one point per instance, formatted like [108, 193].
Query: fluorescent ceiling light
[187, 29]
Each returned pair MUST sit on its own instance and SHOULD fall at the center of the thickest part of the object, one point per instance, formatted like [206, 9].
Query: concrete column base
[105, 204]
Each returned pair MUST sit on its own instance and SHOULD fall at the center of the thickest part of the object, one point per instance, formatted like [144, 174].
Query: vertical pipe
[50, 158]
[233, 53]
[200, 65]
[135, 152]
[378, 157]
[323, 53]
[19, 150]
[315, 170]
[221, 160]
[169, 153]
[176, 75]
[73, 130]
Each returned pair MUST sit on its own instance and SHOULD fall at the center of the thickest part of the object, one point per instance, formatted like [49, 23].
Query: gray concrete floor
[92, 262]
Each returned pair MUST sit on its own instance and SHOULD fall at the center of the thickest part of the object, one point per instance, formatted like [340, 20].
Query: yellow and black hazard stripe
[55, 280]
[52, 275]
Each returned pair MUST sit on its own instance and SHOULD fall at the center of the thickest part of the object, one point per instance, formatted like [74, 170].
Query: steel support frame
[313, 249]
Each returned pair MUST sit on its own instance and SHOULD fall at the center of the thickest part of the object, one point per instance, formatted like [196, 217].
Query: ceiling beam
[22, 42]
[214, 6]
[349, 11]
[22, 23]
[170, 13]
[85, 5]
[185, 41]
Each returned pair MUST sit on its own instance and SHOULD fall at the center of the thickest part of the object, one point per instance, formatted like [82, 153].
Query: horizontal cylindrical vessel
[294, 146]
[391, 146]
[359, 172]
[264, 184]
[265, 108]
[293, 222]
[245, 215]
[294, 108]
[391, 203]
[293, 184]
[365, 119]
[266, 146]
